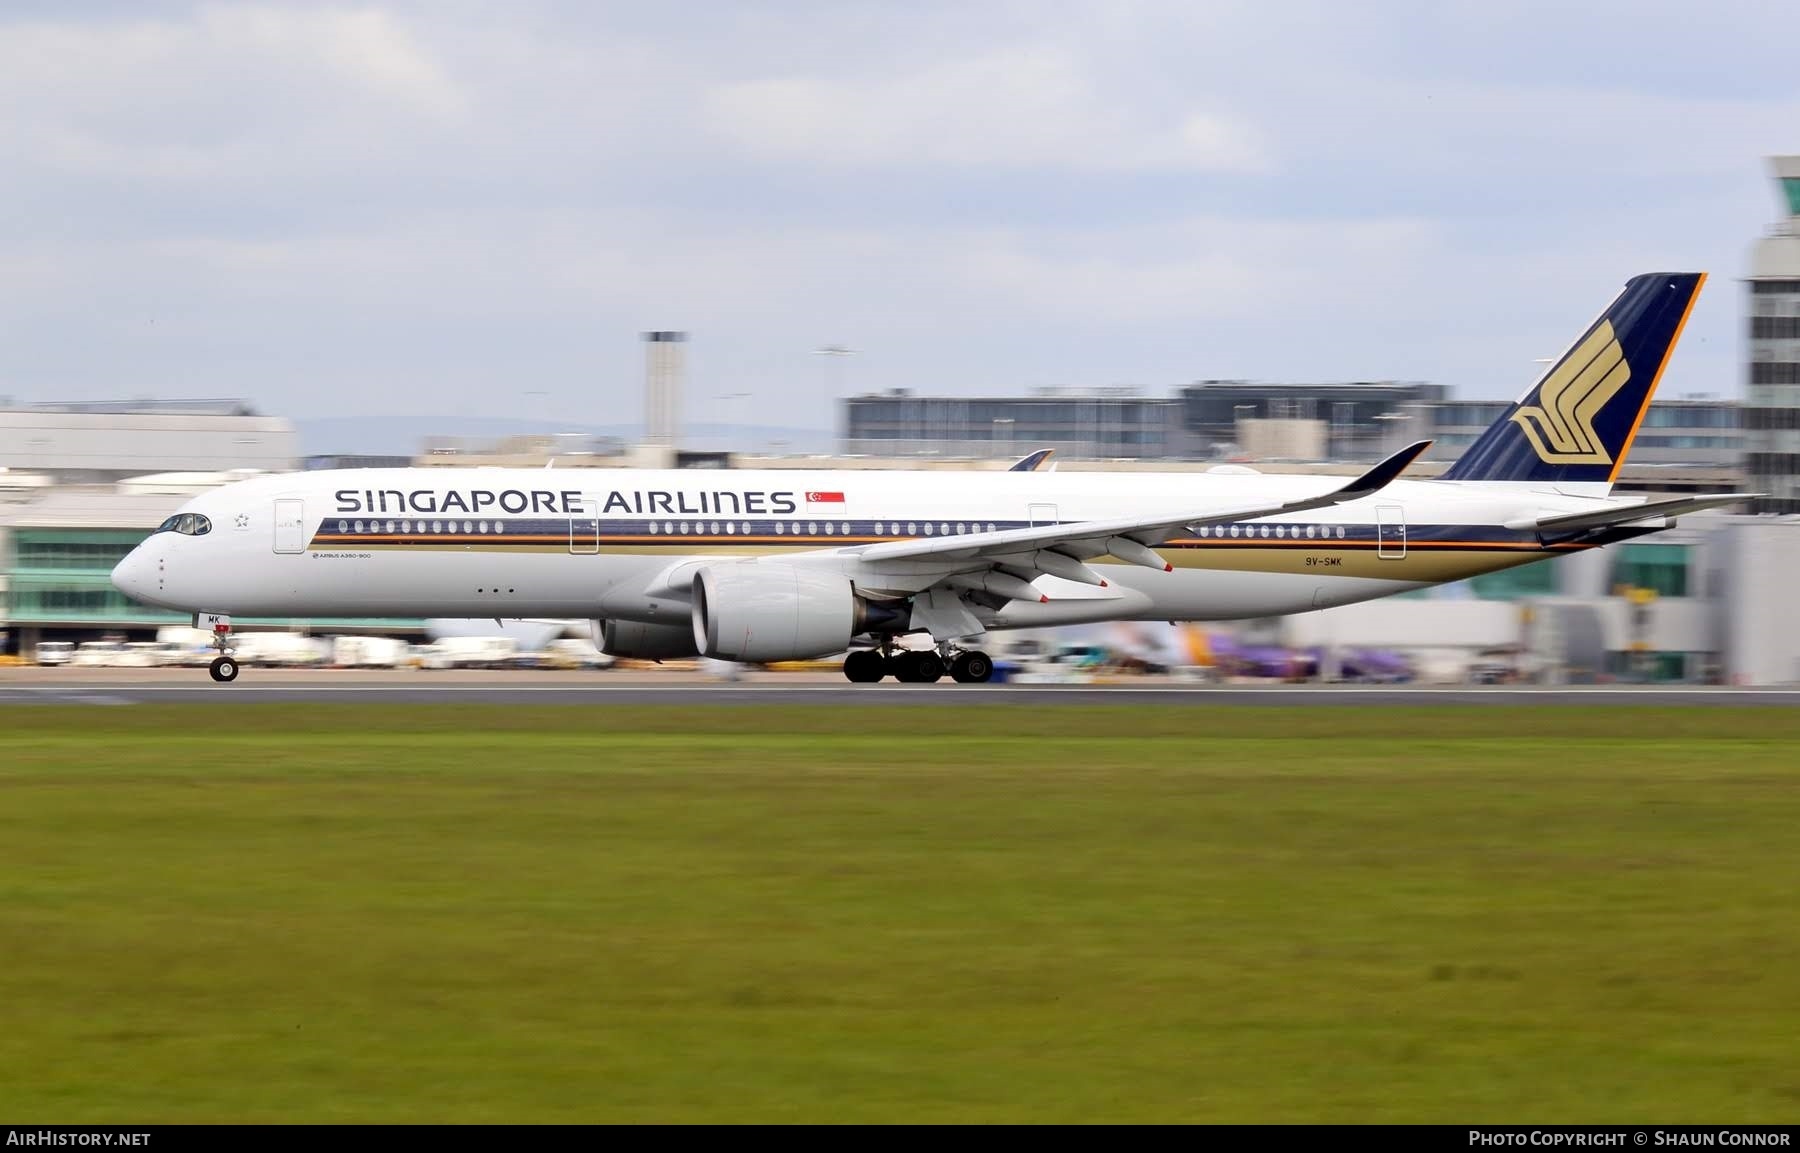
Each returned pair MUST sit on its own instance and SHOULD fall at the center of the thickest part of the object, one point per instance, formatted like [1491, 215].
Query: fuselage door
[1041, 514]
[290, 526]
[1390, 532]
[584, 529]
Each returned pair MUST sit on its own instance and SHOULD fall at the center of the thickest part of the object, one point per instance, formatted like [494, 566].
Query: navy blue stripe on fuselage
[349, 532]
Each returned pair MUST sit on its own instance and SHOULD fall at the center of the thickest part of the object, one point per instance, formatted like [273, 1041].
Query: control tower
[663, 370]
[1772, 397]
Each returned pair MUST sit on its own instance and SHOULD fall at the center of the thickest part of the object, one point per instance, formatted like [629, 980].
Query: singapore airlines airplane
[758, 566]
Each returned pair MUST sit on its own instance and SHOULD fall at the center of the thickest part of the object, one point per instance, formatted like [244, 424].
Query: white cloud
[301, 202]
[1032, 107]
[214, 97]
[365, 47]
[1194, 271]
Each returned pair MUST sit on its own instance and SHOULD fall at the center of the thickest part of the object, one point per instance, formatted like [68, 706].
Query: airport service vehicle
[757, 566]
[357, 652]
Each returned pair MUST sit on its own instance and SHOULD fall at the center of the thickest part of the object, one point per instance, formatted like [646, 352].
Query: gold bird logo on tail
[1560, 426]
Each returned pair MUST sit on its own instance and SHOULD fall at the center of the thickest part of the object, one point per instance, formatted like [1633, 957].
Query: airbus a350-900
[767, 565]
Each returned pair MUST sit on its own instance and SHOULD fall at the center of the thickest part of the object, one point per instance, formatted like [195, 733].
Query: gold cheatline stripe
[1418, 565]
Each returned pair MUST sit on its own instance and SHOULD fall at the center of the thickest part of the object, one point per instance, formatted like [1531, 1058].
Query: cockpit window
[187, 524]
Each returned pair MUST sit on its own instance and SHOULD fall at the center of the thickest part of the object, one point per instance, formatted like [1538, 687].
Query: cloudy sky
[470, 209]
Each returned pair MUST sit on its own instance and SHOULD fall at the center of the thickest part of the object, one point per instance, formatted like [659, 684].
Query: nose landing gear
[224, 668]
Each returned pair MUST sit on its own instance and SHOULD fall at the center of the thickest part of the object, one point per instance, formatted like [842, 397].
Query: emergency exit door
[1390, 532]
[290, 526]
[584, 529]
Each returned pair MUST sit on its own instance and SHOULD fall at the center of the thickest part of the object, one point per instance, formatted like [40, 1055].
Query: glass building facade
[1099, 425]
[63, 577]
[58, 582]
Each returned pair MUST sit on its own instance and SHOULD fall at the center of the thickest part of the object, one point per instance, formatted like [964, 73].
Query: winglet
[1384, 473]
[1031, 462]
[1368, 484]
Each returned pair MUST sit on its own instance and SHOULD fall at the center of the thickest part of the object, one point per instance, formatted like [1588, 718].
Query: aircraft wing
[1058, 549]
[1578, 522]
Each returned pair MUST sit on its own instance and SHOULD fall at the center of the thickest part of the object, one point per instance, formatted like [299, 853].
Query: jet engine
[636, 641]
[767, 611]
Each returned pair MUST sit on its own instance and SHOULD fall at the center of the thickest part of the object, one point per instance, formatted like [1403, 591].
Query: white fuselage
[592, 543]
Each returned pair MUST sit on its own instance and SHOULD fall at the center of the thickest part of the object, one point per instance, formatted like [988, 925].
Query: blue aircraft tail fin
[1576, 424]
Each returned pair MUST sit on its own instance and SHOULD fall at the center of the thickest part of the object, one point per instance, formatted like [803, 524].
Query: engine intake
[762, 611]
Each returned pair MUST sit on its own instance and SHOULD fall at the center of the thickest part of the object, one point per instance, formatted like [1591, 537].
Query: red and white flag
[824, 498]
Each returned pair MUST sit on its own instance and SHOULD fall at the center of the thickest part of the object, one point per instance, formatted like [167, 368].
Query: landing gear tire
[224, 670]
[917, 668]
[865, 667]
[972, 668]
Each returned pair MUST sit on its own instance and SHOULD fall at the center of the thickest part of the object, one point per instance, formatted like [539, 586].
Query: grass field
[1090, 914]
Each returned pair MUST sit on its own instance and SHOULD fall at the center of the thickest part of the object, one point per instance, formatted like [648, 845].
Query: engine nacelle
[636, 641]
[763, 611]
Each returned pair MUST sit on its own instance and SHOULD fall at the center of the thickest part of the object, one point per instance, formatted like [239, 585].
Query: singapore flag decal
[824, 498]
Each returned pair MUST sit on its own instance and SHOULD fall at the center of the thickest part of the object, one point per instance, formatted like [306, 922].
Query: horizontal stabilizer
[1629, 514]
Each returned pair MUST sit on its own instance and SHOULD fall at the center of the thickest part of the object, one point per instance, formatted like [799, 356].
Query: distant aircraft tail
[1032, 462]
[1576, 424]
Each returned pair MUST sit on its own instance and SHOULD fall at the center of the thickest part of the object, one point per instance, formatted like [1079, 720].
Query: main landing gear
[916, 667]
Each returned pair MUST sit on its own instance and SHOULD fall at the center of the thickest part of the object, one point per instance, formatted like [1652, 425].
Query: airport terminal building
[1689, 444]
[82, 484]
[1702, 603]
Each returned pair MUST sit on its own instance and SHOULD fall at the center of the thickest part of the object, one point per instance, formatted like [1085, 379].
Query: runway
[20, 686]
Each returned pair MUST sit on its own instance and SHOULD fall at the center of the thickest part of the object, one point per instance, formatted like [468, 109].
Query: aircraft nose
[131, 576]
